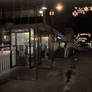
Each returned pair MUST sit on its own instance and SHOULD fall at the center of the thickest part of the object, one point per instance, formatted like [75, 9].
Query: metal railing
[4, 61]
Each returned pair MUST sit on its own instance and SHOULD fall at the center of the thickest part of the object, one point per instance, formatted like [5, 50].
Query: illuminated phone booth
[19, 46]
[24, 44]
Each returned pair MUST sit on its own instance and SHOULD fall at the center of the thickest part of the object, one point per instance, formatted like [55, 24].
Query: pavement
[72, 74]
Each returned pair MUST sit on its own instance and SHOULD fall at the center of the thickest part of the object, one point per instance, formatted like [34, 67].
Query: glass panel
[13, 49]
[22, 43]
[32, 41]
[44, 46]
[31, 48]
[21, 40]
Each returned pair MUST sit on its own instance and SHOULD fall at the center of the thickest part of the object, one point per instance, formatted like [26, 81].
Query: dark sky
[61, 20]
[50, 3]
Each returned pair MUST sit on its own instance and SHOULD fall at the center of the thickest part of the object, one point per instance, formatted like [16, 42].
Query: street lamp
[41, 12]
[44, 8]
[59, 7]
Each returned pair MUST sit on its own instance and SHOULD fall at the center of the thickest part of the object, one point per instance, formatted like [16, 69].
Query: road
[78, 68]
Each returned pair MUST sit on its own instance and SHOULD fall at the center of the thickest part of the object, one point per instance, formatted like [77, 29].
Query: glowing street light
[41, 12]
[59, 6]
[44, 8]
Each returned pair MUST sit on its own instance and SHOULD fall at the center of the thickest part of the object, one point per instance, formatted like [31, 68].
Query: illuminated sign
[82, 38]
[79, 10]
[84, 34]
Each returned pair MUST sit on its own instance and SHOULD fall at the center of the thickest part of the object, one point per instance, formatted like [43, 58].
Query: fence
[4, 61]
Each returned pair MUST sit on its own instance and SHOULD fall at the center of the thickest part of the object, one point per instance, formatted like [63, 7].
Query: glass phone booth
[24, 45]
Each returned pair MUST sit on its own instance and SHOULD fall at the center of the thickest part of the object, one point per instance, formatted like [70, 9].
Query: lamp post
[44, 8]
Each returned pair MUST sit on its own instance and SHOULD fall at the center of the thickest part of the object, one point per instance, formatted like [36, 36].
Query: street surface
[77, 68]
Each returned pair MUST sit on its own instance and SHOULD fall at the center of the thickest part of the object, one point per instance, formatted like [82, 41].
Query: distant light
[85, 34]
[2, 45]
[83, 41]
[82, 10]
[86, 9]
[44, 8]
[60, 36]
[83, 38]
[59, 6]
[75, 13]
[51, 13]
[5, 37]
[76, 7]
[91, 8]
[41, 12]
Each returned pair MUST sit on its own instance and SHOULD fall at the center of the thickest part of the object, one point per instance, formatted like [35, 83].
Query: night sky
[62, 19]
